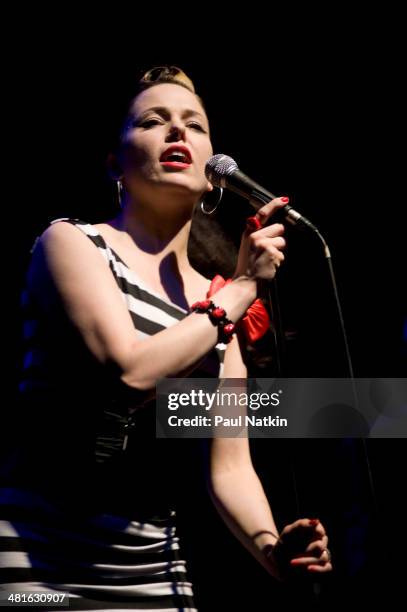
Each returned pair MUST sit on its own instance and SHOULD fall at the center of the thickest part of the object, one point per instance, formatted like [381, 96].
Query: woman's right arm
[68, 270]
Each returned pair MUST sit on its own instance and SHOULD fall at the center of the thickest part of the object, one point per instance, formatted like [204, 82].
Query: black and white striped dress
[87, 498]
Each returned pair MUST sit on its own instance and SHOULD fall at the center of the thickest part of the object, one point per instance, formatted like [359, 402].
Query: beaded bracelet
[217, 315]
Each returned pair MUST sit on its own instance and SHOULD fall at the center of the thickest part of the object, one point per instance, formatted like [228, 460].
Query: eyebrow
[165, 112]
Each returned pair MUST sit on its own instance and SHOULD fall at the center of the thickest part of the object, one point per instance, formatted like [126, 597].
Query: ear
[209, 187]
[113, 167]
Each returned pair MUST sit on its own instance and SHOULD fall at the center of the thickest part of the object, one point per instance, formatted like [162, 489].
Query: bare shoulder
[64, 243]
[69, 275]
[61, 255]
[61, 232]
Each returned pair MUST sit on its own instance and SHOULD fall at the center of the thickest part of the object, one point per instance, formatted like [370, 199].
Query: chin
[184, 183]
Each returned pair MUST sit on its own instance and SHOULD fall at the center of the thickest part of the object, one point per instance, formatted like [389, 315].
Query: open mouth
[176, 156]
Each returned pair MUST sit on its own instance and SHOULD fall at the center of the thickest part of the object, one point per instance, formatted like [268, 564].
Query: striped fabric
[99, 525]
[102, 562]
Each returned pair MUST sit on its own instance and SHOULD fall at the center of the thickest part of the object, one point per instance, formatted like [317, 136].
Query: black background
[313, 113]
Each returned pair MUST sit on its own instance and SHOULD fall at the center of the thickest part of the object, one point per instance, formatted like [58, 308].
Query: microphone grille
[219, 166]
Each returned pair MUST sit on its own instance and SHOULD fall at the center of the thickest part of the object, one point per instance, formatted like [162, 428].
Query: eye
[148, 123]
[197, 126]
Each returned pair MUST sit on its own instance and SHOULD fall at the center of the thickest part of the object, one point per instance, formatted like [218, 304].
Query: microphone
[222, 171]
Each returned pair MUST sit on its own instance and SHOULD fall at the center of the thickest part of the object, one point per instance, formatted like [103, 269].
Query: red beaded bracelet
[255, 322]
[217, 315]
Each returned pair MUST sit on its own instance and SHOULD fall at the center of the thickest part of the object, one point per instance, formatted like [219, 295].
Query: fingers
[265, 243]
[261, 247]
[316, 556]
[320, 569]
[304, 544]
[317, 547]
[319, 560]
[319, 530]
[269, 239]
[314, 525]
[270, 231]
[266, 247]
[266, 211]
[305, 536]
[311, 564]
[305, 526]
[323, 564]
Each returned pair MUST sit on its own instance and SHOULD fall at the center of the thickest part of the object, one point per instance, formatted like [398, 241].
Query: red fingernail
[295, 561]
[313, 522]
[253, 223]
[285, 199]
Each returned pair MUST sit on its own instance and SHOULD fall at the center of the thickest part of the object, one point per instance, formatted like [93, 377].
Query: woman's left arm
[239, 497]
[234, 486]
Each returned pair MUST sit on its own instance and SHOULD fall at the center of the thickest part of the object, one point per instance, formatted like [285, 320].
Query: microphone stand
[272, 295]
[259, 199]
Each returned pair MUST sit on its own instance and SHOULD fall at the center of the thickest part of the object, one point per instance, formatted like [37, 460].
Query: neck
[161, 229]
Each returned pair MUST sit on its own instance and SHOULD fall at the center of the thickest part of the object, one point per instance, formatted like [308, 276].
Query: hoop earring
[119, 192]
[217, 201]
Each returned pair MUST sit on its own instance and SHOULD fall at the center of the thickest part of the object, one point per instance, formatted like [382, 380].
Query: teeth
[176, 156]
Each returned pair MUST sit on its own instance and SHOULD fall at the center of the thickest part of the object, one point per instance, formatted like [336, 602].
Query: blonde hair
[166, 74]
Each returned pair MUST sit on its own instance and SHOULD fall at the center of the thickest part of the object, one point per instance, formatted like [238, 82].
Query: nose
[176, 132]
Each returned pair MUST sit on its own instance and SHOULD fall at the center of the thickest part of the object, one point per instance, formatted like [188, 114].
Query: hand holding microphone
[261, 248]
[222, 171]
[260, 253]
